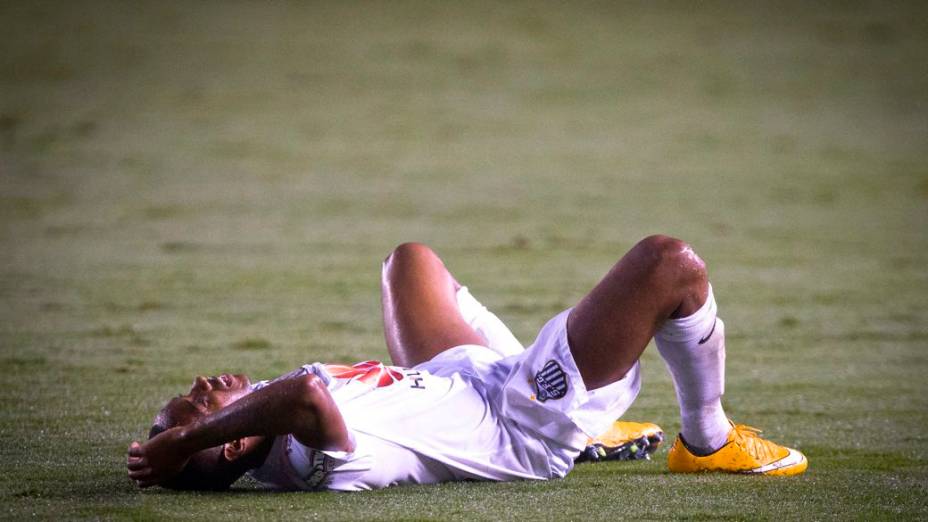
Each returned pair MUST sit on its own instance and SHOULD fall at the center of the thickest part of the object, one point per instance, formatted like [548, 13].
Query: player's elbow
[317, 422]
[311, 393]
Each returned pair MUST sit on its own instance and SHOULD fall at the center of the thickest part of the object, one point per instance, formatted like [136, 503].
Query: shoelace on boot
[761, 449]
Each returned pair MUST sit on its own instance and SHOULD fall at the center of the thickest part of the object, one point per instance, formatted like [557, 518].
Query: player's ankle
[699, 451]
[706, 428]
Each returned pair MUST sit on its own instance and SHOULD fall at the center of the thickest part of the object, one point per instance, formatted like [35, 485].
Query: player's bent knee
[408, 253]
[672, 259]
[659, 247]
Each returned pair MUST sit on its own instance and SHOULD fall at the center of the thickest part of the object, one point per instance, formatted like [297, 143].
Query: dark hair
[207, 470]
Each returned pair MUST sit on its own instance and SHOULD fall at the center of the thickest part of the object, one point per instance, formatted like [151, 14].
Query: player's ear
[238, 448]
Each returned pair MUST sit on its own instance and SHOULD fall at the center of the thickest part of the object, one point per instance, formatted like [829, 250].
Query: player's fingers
[135, 450]
[137, 464]
[134, 458]
[140, 474]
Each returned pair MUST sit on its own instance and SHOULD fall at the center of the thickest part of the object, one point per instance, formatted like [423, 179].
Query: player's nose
[200, 383]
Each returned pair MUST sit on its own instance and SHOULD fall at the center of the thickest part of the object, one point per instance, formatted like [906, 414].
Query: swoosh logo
[792, 458]
[706, 338]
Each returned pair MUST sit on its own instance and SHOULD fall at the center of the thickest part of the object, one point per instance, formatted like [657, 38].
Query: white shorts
[468, 413]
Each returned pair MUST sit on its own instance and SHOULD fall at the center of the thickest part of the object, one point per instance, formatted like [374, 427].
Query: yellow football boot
[744, 452]
[624, 441]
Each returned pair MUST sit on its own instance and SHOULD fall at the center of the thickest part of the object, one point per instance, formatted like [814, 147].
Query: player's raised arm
[301, 406]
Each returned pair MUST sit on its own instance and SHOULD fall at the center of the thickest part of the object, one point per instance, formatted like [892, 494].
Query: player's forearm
[295, 406]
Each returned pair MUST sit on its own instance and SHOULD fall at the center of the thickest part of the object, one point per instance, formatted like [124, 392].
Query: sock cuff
[469, 306]
[693, 326]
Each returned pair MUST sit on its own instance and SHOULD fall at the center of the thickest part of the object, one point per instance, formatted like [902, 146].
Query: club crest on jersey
[550, 382]
[320, 467]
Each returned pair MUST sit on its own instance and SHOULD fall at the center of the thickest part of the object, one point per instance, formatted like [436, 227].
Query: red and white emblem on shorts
[373, 373]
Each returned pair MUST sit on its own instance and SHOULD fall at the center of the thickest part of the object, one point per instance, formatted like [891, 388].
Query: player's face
[209, 394]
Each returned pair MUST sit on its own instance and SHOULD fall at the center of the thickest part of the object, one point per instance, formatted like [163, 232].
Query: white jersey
[468, 413]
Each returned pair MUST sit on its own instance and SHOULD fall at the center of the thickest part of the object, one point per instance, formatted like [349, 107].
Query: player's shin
[694, 349]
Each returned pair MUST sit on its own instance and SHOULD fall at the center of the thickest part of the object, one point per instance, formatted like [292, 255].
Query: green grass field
[196, 187]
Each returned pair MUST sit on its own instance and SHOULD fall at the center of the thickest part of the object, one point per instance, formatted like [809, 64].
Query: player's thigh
[420, 312]
[610, 327]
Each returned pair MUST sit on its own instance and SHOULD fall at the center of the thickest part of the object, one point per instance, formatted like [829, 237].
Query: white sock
[694, 349]
[499, 338]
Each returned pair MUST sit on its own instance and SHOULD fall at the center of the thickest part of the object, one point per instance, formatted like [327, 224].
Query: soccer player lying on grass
[465, 399]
